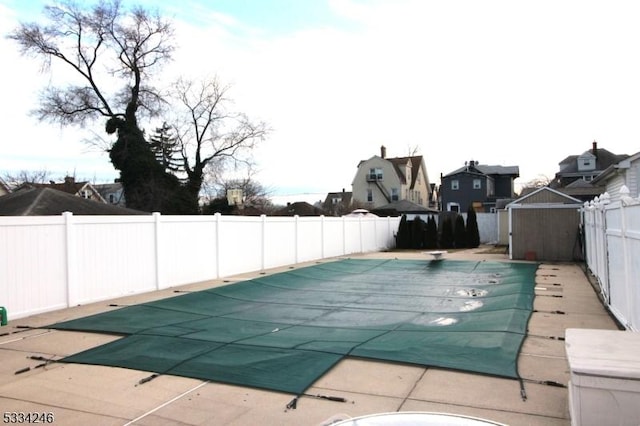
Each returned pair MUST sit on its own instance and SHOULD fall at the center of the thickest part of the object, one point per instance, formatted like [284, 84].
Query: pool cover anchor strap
[147, 379]
[293, 404]
[523, 393]
[46, 362]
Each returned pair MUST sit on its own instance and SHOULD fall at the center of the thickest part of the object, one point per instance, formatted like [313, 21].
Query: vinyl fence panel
[52, 262]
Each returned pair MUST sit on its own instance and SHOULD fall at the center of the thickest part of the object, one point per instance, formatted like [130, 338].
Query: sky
[512, 83]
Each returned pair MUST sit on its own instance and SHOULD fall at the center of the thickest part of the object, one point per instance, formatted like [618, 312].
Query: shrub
[459, 232]
[446, 236]
[417, 231]
[431, 234]
[473, 234]
[403, 235]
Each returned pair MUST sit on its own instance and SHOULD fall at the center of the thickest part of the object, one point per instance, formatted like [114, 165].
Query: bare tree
[253, 193]
[27, 176]
[113, 53]
[413, 150]
[538, 182]
[209, 133]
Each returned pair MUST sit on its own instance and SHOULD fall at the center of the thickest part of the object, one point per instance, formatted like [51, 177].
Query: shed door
[550, 233]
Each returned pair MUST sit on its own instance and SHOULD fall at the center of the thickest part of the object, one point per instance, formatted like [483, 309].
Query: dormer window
[586, 161]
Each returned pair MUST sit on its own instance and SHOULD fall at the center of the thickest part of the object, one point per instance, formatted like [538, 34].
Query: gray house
[578, 173]
[477, 185]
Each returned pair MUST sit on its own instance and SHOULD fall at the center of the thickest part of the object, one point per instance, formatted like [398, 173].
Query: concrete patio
[83, 394]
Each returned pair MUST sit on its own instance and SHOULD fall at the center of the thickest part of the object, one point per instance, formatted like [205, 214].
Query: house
[113, 193]
[70, 186]
[625, 172]
[50, 202]
[577, 172]
[300, 208]
[477, 185]
[337, 203]
[381, 180]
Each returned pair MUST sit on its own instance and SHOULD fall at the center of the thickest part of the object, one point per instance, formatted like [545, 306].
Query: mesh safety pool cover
[283, 331]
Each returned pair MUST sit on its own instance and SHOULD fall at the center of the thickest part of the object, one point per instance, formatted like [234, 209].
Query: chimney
[594, 150]
[383, 151]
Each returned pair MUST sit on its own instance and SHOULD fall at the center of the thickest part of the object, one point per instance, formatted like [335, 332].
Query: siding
[613, 187]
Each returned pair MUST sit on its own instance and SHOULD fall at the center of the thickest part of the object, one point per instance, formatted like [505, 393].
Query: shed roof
[545, 195]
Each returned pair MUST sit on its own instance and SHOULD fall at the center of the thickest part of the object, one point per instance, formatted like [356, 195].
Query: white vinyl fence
[53, 262]
[612, 246]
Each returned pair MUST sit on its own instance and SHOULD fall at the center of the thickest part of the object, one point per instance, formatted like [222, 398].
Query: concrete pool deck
[82, 394]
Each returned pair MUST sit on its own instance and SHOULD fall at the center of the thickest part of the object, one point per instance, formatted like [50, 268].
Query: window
[112, 199]
[336, 200]
[455, 184]
[586, 162]
[374, 174]
[453, 207]
[477, 184]
[395, 194]
[370, 195]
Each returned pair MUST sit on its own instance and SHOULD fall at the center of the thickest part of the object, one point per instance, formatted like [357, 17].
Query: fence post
[70, 261]
[216, 218]
[321, 236]
[344, 236]
[376, 240]
[263, 229]
[157, 251]
[295, 236]
[360, 233]
[628, 286]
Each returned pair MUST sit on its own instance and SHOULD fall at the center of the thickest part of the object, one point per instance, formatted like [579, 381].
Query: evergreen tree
[460, 235]
[431, 234]
[402, 237]
[473, 234]
[164, 145]
[446, 237]
[417, 230]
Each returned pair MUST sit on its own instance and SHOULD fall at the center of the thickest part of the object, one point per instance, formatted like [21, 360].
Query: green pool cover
[284, 331]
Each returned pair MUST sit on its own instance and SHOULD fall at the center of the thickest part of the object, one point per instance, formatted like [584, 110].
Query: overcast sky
[512, 83]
